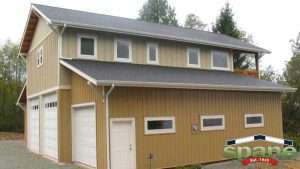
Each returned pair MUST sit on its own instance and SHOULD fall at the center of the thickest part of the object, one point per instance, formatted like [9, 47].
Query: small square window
[193, 57]
[159, 125]
[212, 122]
[122, 50]
[87, 46]
[254, 120]
[40, 57]
[220, 60]
[152, 53]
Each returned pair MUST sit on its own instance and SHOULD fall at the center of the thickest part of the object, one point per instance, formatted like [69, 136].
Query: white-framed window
[160, 125]
[87, 46]
[152, 53]
[254, 120]
[220, 60]
[122, 50]
[212, 122]
[40, 57]
[193, 57]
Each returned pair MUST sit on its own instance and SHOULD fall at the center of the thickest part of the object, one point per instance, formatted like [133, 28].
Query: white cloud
[272, 23]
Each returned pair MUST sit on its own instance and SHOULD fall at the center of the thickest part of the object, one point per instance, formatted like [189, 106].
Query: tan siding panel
[170, 53]
[186, 147]
[64, 126]
[45, 76]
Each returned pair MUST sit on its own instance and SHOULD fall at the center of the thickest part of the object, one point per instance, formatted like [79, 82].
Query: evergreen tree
[193, 21]
[225, 24]
[291, 102]
[158, 11]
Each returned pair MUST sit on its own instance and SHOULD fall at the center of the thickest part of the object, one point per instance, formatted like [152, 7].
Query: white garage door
[33, 125]
[84, 135]
[49, 126]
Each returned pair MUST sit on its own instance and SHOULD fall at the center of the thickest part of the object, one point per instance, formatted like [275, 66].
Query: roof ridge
[152, 23]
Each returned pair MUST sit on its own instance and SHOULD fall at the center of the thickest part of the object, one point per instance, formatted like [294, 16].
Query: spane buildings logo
[283, 150]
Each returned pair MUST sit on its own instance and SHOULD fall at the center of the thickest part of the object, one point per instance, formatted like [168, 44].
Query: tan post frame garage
[102, 106]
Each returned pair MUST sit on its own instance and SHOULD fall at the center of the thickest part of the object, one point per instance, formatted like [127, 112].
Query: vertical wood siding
[187, 147]
[64, 126]
[83, 93]
[170, 53]
[45, 76]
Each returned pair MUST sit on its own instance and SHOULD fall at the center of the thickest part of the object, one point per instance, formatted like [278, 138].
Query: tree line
[12, 79]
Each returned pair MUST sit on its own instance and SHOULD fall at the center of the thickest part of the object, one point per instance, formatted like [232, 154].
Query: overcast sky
[271, 23]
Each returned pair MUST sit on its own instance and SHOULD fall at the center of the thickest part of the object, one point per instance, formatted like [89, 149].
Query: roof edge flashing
[158, 36]
[194, 86]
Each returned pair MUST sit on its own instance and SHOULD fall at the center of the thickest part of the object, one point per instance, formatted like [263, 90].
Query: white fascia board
[158, 36]
[79, 72]
[193, 86]
[41, 14]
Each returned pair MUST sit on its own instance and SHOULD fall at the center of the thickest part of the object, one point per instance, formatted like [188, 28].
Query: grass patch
[190, 167]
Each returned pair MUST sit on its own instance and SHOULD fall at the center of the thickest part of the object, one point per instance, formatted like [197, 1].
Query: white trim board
[157, 36]
[83, 104]
[50, 90]
[79, 72]
[41, 13]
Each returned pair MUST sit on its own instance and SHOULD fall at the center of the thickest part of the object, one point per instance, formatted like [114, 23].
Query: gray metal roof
[87, 20]
[126, 74]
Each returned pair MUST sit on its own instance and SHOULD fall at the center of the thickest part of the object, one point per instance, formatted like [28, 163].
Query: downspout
[108, 124]
[60, 39]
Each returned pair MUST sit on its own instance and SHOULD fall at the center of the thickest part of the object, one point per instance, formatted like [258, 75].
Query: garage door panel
[84, 135]
[49, 127]
[33, 125]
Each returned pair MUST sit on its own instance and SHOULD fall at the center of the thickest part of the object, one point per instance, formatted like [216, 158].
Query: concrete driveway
[14, 155]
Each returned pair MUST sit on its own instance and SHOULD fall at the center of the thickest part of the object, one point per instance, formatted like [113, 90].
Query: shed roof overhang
[134, 75]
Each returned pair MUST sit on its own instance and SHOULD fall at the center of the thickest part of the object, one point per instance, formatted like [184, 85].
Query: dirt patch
[11, 136]
[293, 165]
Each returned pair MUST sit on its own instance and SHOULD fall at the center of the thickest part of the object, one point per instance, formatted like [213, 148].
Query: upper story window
[87, 46]
[254, 120]
[159, 125]
[152, 53]
[212, 122]
[220, 60]
[122, 50]
[193, 57]
[40, 57]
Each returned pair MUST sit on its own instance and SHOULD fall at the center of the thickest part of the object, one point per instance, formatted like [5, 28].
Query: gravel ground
[14, 155]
